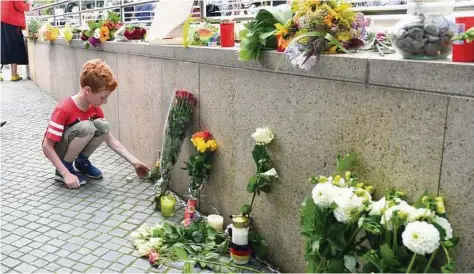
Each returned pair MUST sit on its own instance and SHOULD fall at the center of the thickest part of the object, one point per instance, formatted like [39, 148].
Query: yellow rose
[212, 144]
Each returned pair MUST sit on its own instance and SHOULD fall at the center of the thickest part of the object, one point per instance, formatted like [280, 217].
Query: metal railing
[78, 12]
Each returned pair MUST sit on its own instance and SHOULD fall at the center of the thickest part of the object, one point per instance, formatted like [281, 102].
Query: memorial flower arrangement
[341, 216]
[321, 27]
[177, 124]
[48, 33]
[101, 31]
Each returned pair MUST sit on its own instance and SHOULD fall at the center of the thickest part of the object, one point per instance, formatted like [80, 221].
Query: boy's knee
[102, 126]
[85, 128]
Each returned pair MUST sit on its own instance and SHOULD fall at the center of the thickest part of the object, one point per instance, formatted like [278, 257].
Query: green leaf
[346, 162]
[188, 268]
[245, 209]
[311, 267]
[388, 255]
[333, 40]
[451, 243]
[180, 252]
[336, 266]
[252, 185]
[223, 247]
[168, 228]
[449, 267]
[350, 262]
[197, 236]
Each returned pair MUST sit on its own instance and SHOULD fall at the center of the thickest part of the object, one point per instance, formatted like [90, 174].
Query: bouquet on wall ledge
[101, 31]
[321, 27]
[33, 29]
[134, 33]
[177, 124]
[341, 217]
[48, 33]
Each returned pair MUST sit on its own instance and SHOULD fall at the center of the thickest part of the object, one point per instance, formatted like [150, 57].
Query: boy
[77, 128]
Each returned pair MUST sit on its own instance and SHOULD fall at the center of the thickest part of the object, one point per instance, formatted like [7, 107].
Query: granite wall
[411, 123]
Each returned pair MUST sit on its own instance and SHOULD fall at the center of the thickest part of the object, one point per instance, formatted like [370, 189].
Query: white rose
[421, 238]
[156, 242]
[144, 230]
[263, 135]
[444, 223]
[97, 33]
[271, 172]
[135, 235]
[138, 242]
[144, 249]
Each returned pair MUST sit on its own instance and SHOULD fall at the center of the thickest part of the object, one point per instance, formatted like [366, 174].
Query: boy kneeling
[77, 128]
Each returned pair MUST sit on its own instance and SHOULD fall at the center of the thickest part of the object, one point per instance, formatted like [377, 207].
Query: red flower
[135, 34]
[186, 95]
[84, 37]
[153, 257]
[203, 134]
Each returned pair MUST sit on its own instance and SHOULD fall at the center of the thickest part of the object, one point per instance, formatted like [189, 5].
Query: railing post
[80, 13]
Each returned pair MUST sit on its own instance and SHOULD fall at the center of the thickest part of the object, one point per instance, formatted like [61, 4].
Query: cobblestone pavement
[46, 227]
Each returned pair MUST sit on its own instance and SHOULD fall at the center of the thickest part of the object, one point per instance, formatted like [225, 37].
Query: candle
[167, 205]
[216, 222]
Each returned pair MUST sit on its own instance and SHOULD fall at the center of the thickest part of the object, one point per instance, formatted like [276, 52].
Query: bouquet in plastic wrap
[177, 124]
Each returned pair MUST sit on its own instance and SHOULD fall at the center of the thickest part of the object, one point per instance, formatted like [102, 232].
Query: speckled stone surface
[457, 180]
[398, 134]
[139, 105]
[42, 66]
[439, 76]
[31, 58]
[63, 59]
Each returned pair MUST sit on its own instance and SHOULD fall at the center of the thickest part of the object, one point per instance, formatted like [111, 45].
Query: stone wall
[410, 122]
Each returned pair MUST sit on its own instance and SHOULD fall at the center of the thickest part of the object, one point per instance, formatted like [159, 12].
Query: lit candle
[167, 205]
[216, 222]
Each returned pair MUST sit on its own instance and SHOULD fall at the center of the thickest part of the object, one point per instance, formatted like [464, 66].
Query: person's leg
[74, 140]
[82, 162]
[14, 73]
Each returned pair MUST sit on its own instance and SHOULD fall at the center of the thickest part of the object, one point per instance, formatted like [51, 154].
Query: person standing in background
[12, 41]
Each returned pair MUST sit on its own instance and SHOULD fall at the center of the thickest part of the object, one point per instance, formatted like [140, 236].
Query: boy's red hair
[98, 76]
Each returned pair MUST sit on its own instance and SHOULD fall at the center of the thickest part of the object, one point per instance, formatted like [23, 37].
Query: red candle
[227, 34]
[462, 50]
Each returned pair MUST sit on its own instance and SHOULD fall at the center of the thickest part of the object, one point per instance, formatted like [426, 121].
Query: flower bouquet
[101, 31]
[321, 27]
[134, 33]
[178, 121]
[33, 29]
[48, 32]
[379, 42]
[199, 168]
[341, 217]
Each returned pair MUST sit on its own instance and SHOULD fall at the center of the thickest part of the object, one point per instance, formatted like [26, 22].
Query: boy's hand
[141, 169]
[72, 181]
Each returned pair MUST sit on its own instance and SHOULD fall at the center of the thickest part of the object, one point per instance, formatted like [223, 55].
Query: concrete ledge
[431, 76]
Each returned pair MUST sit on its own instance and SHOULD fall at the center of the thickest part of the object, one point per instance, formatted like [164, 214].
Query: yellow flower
[200, 144]
[332, 50]
[328, 20]
[343, 36]
[157, 164]
[212, 144]
[104, 34]
[281, 29]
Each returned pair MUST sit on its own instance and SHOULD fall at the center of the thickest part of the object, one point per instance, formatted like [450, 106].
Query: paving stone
[40, 262]
[80, 267]
[116, 267]
[62, 253]
[65, 262]
[57, 242]
[10, 262]
[99, 251]
[132, 270]
[49, 248]
[89, 259]
[94, 270]
[102, 263]
[25, 268]
[111, 255]
[119, 232]
[52, 267]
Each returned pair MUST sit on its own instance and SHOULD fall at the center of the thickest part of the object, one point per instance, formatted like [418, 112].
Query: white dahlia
[377, 207]
[444, 223]
[322, 194]
[348, 208]
[421, 237]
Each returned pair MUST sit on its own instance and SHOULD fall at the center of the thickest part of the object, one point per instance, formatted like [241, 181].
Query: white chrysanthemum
[156, 242]
[144, 230]
[138, 242]
[444, 223]
[420, 214]
[144, 249]
[97, 33]
[322, 194]
[377, 207]
[421, 238]
[348, 208]
[403, 207]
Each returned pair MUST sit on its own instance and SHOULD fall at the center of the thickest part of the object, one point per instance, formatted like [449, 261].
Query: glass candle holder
[168, 203]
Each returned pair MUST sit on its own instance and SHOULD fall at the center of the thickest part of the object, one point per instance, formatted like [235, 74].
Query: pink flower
[153, 257]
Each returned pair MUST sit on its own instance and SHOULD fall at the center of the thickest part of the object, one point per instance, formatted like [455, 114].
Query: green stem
[321, 266]
[412, 262]
[228, 265]
[395, 238]
[428, 265]
[448, 257]
[253, 199]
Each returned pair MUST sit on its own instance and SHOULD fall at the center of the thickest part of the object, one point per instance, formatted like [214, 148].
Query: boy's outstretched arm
[141, 168]
[48, 147]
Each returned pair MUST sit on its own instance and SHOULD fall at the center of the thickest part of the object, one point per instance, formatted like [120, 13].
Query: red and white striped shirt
[66, 114]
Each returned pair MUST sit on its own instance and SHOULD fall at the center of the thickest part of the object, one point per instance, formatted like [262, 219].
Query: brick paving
[46, 227]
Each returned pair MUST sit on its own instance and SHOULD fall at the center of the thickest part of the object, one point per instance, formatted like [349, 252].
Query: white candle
[216, 222]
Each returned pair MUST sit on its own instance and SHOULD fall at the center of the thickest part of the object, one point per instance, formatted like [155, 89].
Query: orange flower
[328, 20]
[203, 134]
[104, 34]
